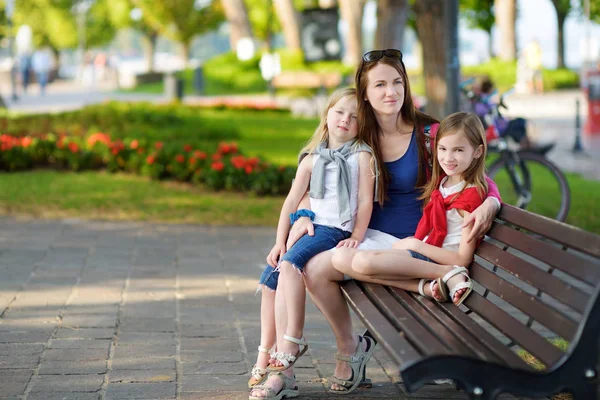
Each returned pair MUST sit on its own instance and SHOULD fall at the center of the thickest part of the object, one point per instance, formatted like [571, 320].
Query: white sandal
[288, 388]
[287, 359]
[443, 285]
[258, 374]
[422, 283]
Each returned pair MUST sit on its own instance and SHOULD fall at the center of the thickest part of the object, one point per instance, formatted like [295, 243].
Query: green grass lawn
[100, 195]
[276, 136]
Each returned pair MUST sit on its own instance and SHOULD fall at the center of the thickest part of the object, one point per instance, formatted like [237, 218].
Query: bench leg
[366, 383]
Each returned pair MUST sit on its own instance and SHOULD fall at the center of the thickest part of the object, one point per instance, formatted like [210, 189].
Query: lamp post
[452, 56]
[9, 10]
[81, 9]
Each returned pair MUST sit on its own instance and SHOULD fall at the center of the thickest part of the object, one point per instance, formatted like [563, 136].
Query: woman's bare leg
[322, 282]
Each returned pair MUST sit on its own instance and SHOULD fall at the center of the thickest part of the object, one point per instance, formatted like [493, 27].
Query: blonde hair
[321, 134]
[469, 125]
[369, 129]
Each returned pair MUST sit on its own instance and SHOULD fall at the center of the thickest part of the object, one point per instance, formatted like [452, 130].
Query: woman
[396, 130]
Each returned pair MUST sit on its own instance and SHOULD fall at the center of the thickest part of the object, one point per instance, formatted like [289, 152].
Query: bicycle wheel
[533, 183]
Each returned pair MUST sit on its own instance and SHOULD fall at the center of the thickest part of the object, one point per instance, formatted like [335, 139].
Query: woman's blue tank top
[402, 211]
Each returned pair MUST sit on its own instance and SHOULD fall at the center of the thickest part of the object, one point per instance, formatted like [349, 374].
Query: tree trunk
[290, 23]
[185, 53]
[149, 46]
[237, 16]
[392, 16]
[490, 44]
[431, 23]
[352, 13]
[560, 56]
[506, 14]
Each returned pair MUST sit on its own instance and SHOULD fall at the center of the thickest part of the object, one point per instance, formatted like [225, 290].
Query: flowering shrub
[224, 168]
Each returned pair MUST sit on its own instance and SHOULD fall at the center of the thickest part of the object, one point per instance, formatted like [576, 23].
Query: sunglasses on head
[377, 55]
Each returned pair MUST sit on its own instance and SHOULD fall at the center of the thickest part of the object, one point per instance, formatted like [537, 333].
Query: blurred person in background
[41, 64]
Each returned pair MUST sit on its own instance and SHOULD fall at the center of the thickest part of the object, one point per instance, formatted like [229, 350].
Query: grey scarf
[340, 157]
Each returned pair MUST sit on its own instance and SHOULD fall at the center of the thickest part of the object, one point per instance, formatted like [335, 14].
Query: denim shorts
[420, 256]
[304, 249]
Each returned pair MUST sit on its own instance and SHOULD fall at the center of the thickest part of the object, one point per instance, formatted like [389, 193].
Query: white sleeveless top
[453, 218]
[327, 210]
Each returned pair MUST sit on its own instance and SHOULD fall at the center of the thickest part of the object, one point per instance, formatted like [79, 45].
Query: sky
[536, 19]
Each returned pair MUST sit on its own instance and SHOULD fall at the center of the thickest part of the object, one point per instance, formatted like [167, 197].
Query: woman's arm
[366, 187]
[481, 218]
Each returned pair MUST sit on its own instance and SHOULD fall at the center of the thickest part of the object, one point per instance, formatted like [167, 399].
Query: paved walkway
[102, 310]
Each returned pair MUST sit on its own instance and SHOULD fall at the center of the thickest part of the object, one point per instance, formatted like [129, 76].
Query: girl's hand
[481, 218]
[300, 228]
[275, 255]
[350, 242]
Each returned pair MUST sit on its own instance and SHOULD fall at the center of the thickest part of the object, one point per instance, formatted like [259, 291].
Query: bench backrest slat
[396, 345]
[527, 303]
[567, 235]
[534, 276]
[578, 267]
[530, 340]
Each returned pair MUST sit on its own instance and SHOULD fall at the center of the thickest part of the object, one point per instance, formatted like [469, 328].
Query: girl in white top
[337, 166]
[439, 250]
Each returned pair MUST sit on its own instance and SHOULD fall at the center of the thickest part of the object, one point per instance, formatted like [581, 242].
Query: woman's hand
[300, 228]
[481, 218]
[275, 255]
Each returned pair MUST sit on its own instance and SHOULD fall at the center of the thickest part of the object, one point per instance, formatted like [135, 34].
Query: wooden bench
[535, 279]
[307, 80]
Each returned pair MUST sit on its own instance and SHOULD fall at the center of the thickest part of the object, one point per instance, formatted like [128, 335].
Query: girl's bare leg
[280, 323]
[392, 265]
[267, 325]
[291, 284]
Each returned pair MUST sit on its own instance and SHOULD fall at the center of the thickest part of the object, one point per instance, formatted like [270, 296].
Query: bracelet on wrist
[301, 213]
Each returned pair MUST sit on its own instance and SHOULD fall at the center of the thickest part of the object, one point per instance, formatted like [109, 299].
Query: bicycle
[523, 176]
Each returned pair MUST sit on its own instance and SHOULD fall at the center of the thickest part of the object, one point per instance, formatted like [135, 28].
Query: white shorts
[374, 240]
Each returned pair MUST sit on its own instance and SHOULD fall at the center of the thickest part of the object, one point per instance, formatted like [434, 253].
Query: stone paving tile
[144, 350]
[73, 367]
[18, 362]
[76, 354]
[85, 333]
[66, 383]
[80, 344]
[13, 383]
[64, 396]
[148, 376]
[143, 364]
[142, 391]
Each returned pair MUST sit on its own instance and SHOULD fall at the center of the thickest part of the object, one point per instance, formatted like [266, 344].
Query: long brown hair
[370, 130]
[470, 126]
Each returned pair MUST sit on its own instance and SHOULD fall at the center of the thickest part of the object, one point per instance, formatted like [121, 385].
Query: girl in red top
[439, 251]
